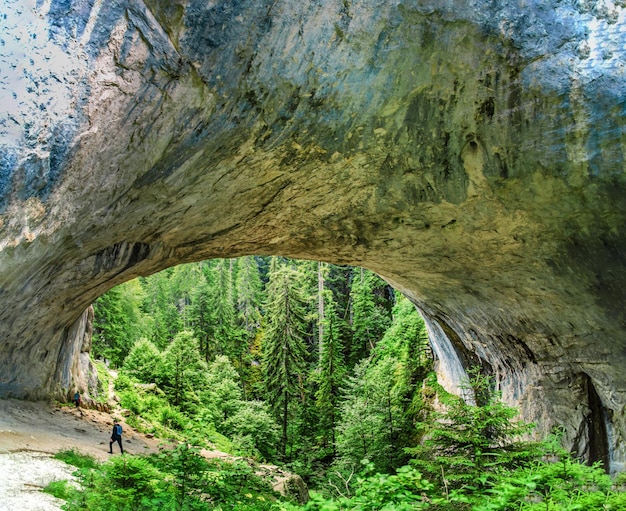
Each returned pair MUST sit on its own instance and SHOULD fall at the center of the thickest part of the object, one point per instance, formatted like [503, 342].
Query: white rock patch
[24, 475]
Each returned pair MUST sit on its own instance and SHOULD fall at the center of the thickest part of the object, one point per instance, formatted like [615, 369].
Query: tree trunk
[283, 447]
[320, 307]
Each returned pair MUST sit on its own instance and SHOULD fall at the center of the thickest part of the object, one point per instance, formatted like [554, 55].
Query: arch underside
[478, 171]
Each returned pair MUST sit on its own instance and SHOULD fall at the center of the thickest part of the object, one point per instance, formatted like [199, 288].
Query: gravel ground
[30, 433]
[22, 477]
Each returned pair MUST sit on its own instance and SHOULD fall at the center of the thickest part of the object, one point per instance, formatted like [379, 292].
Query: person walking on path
[77, 402]
[116, 436]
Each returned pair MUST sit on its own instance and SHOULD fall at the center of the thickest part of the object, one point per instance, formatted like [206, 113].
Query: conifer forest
[322, 370]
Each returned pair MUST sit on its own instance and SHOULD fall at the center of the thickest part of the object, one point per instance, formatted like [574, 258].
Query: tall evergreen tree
[160, 305]
[370, 315]
[284, 349]
[201, 317]
[331, 371]
[118, 322]
[320, 307]
[184, 371]
[223, 309]
[249, 302]
[249, 294]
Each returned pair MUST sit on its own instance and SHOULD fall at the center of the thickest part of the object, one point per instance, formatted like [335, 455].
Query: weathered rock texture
[471, 152]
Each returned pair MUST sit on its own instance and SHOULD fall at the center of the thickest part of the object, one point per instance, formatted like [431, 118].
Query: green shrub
[132, 401]
[63, 490]
[254, 428]
[76, 458]
[122, 382]
[172, 418]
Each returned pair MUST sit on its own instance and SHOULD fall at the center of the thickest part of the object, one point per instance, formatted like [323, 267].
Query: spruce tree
[249, 300]
[370, 315]
[283, 346]
[331, 371]
[223, 309]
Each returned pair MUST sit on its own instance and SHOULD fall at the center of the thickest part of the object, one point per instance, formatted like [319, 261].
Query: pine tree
[118, 322]
[468, 444]
[223, 309]
[331, 370]
[249, 294]
[370, 316]
[249, 299]
[160, 305]
[284, 350]
[184, 371]
[201, 317]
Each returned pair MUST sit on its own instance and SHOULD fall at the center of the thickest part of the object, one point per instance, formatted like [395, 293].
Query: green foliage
[254, 430]
[372, 416]
[370, 314]
[470, 444]
[178, 479]
[403, 491]
[76, 458]
[63, 490]
[223, 395]
[184, 371]
[124, 483]
[381, 401]
[249, 296]
[143, 361]
[331, 371]
[284, 353]
[118, 322]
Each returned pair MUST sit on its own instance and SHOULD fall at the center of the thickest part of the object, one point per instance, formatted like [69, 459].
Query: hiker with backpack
[116, 436]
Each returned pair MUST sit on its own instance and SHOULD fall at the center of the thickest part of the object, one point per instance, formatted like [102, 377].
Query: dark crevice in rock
[591, 442]
[121, 255]
[597, 425]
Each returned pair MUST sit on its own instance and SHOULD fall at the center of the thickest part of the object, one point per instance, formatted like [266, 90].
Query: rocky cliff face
[472, 153]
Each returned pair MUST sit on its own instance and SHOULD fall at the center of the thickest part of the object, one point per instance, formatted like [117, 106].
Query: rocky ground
[30, 433]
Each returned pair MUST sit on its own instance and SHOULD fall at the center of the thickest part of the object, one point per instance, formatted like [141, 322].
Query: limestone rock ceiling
[472, 153]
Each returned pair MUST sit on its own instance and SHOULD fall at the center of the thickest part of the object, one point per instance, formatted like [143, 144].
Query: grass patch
[76, 459]
[60, 489]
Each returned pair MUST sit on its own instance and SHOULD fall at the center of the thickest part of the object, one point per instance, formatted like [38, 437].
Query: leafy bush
[403, 491]
[60, 489]
[172, 418]
[255, 427]
[76, 458]
[178, 479]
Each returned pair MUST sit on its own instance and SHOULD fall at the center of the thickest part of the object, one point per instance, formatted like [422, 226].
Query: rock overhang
[471, 156]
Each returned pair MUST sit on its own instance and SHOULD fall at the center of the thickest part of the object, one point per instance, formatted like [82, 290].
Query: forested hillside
[306, 363]
[324, 370]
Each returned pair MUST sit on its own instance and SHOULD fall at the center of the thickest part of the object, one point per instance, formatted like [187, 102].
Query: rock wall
[471, 152]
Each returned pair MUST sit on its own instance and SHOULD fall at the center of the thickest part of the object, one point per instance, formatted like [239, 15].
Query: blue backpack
[118, 430]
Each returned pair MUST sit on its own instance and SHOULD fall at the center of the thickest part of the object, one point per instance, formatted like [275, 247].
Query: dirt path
[31, 432]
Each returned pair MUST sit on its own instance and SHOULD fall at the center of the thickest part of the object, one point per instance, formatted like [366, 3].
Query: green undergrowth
[149, 411]
[176, 479]
[76, 458]
[473, 457]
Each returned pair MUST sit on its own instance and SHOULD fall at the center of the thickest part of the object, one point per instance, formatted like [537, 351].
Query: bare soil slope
[31, 432]
[43, 427]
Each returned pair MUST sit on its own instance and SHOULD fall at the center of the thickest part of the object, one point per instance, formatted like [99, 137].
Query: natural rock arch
[472, 154]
